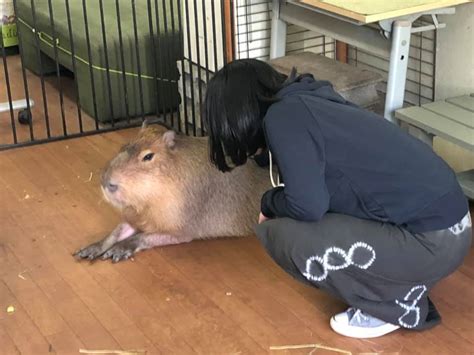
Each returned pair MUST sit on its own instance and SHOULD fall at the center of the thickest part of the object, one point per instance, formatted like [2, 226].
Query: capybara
[168, 192]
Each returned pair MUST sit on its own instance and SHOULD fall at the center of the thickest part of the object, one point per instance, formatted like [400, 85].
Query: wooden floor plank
[19, 326]
[205, 278]
[63, 342]
[301, 319]
[8, 346]
[194, 315]
[166, 336]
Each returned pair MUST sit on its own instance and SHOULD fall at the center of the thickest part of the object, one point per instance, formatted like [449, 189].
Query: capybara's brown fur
[169, 193]
[178, 192]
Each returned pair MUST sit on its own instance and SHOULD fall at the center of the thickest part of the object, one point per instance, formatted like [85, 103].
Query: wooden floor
[211, 297]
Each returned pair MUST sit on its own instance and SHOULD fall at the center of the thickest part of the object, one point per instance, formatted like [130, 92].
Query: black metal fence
[78, 67]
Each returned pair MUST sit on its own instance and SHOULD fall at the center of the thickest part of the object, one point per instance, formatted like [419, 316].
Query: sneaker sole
[362, 333]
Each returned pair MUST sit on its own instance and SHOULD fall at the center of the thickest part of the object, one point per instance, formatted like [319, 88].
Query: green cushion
[160, 63]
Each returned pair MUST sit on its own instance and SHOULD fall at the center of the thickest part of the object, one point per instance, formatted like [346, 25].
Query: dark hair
[237, 99]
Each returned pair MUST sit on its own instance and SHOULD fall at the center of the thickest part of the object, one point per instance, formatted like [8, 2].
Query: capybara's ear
[169, 138]
[145, 124]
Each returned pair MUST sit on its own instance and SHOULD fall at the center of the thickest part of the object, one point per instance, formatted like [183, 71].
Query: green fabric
[168, 49]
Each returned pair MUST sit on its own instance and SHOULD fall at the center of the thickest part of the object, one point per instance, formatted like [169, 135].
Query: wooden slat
[466, 102]
[438, 125]
[368, 11]
[341, 51]
[466, 180]
[63, 342]
[19, 326]
[8, 346]
[453, 112]
[228, 21]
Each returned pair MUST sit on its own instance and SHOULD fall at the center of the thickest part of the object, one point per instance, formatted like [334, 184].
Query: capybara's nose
[111, 187]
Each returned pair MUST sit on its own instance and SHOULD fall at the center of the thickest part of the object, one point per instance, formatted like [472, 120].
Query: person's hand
[262, 218]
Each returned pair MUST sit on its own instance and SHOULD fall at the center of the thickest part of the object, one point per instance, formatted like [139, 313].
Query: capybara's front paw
[122, 250]
[90, 252]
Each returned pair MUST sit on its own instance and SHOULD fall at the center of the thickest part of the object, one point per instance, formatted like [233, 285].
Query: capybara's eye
[148, 157]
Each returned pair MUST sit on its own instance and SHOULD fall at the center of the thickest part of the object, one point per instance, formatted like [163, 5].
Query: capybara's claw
[122, 250]
[90, 252]
[119, 257]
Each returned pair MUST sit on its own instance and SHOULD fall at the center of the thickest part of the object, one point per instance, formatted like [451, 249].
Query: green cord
[44, 37]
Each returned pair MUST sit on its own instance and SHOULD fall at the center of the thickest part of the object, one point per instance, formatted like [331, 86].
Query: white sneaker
[355, 324]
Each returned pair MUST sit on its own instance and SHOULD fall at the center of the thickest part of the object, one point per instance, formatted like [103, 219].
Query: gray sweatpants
[380, 268]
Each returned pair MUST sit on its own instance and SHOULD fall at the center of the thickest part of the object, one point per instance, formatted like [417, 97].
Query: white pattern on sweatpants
[462, 225]
[348, 260]
[413, 307]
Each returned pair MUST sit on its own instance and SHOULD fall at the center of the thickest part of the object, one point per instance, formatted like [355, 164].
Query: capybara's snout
[106, 181]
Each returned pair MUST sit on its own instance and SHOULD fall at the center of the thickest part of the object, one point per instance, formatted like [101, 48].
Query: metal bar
[245, 14]
[14, 104]
[9, 94]
[106, 56]
[407, 79]
[261, 29]
[58, 70]
[299, 41]
[183, 74]
[25, 80]
[223, 30]
[163, 92]
[398, 68]
[38, 53]
[255, 4]
[73, 56]
[238, 41]
[264, 29]
[410, 57]
[419, 74]
[122, 60]
[433, 76]
[140, 83]
[153, 53]
[304, 49]
[263, 21]
[167, 51]
[232, 29]
[247, 26]
[193, 110]
[175, 43]
[278, 32]
[89, 57]
[198, 55]
[206, 49]
[214, 34]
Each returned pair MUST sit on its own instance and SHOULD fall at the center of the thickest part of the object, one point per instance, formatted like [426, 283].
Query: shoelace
[358, 315]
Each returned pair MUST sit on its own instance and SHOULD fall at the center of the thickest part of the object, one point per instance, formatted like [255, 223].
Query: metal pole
[278, 34]
[401, 31]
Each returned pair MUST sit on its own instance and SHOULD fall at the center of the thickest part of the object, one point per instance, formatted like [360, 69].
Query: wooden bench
[453, 120]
